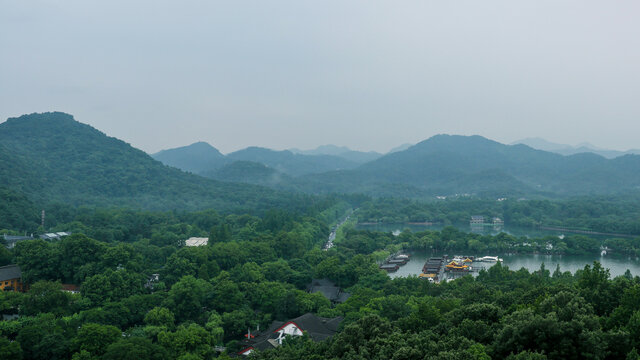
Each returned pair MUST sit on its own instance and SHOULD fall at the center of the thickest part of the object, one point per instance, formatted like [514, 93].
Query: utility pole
[42, 219]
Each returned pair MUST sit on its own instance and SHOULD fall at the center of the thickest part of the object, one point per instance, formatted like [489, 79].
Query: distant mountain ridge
[451, 164]
[202, 158]
[52, 158]
[195, 158]
[359, 157]
[564, 149]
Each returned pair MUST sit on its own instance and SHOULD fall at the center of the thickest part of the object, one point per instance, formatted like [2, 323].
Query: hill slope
[50, 157]
[195, 158]
[447, 164]
[563, 149]
[292, 164]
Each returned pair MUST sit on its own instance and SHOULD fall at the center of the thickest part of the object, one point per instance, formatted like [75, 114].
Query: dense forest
[610, 214]
[255, 269]
[51, 158]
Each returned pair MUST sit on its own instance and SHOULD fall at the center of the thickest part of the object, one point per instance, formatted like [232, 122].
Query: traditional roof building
[327, 288]
[11, 279]
[317, 328]
[11, 240]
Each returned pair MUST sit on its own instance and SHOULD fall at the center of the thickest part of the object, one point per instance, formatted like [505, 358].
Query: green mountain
[196, 158]
[292, 164]
[202, 158]
[448, 165]
[52, 158]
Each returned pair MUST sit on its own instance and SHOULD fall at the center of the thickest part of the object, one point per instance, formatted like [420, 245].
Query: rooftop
[10, 272]
[196, 241]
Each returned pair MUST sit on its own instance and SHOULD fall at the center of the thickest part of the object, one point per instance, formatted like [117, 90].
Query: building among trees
[317, 328]
[11, 278]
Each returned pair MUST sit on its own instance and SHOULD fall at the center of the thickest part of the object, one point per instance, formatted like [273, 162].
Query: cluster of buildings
[11, 240]
[316, 327]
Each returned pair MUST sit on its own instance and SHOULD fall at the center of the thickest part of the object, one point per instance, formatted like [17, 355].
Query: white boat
[489, 259]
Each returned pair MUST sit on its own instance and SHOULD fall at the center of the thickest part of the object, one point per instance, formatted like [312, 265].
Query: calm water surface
[617, 265]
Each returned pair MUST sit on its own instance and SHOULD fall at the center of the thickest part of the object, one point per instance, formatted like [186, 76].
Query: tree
[135, 348]
[94, 338]
[186, 298]
[214, 326]
[192, 339]
[10, 350]
[46, 296]
[160, 316]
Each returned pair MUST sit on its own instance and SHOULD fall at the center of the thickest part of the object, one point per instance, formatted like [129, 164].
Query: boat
[490, 259]
[397, 261]
[390, 267]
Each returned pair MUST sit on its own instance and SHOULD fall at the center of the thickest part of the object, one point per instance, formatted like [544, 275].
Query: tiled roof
[10, 272]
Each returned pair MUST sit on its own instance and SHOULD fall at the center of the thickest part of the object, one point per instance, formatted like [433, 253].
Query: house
[11, 279]
[317, 328]
[477, 219]
[70, 288]
[11, 240]
[152, 280]
[196, 241]
[327, 288]
[54, 236]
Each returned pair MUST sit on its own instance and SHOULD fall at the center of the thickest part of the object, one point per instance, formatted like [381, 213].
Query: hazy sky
[367, 74]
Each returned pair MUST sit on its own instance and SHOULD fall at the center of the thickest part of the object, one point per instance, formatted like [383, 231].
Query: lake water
[617, 265]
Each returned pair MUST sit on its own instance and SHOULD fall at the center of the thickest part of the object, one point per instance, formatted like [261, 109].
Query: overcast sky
[367, 74]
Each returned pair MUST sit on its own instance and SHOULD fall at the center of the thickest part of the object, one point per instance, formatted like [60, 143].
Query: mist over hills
[449, 164]
[202, 158]
[359, 157]
[564, 149]
[51, 157]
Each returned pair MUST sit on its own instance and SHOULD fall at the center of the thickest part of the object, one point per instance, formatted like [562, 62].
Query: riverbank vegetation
[614, 214]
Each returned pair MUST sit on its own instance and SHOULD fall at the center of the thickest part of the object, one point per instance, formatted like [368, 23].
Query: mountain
[51, 158]
[344, 152]
[195, 158]
[292, 164]
[402, 147]
[446, 165]
[563, 149]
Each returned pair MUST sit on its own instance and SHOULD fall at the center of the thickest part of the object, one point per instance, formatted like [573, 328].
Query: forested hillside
[204, 159]
[195, 158]
[52, 158]
[445, 165]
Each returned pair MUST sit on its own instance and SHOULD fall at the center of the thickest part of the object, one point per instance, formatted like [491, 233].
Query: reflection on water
[617, 265]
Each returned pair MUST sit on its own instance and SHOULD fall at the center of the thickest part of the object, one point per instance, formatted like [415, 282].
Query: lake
[617, 265]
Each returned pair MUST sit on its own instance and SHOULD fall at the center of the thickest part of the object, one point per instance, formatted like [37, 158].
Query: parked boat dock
[394, 262]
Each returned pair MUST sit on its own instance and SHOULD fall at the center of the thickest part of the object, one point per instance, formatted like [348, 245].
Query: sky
[370, 75]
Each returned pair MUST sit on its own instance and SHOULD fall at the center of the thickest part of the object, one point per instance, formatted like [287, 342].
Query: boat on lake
[489, 259]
